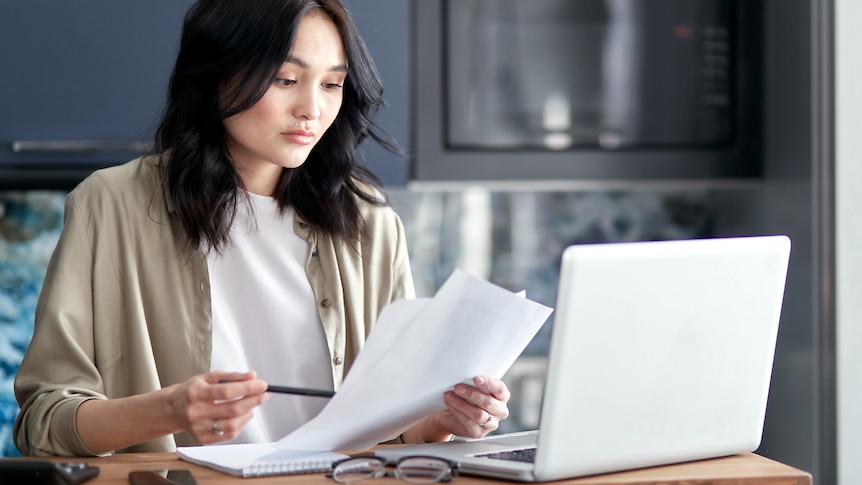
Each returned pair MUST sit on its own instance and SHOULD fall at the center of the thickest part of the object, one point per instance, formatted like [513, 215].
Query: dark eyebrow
[304, 65]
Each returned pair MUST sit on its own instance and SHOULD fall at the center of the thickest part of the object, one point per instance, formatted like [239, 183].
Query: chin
[289, 162]
[292, 165]
[293, 160]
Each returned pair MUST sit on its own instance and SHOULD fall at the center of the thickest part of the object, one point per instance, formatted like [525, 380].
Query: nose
[307, 103]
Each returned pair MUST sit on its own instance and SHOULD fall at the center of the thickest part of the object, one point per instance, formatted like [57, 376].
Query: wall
[789, 202]
[848, 17]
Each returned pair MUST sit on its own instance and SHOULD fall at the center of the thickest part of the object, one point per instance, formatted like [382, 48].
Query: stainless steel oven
[595, 90]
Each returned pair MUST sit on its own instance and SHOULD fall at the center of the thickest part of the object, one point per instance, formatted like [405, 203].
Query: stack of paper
[418, 350]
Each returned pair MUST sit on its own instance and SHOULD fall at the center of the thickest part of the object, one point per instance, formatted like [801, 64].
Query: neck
[260, 182]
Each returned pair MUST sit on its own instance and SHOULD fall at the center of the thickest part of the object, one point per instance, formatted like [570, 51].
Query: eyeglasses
[412, 469]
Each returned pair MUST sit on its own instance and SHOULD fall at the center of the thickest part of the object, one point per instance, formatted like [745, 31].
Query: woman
[252, 240]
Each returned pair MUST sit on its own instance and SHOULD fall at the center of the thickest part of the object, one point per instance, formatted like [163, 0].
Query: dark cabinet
[83, 84]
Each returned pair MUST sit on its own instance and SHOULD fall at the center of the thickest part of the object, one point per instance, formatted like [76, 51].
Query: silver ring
[487, 420]
[216, 430]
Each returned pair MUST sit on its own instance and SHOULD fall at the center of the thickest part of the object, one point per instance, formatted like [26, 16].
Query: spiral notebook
[258, 459]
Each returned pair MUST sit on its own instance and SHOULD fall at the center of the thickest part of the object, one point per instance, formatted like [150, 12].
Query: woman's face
[280, 130]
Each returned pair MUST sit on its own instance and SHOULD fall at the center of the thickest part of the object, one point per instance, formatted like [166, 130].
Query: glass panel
[561, 74]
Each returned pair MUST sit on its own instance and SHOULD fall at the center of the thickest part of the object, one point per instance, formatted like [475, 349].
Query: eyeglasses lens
[356, 469]
[423, 470]
[414, 469]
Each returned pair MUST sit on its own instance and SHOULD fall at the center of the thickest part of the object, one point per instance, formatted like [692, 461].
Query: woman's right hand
[216, 406]
[212, 407]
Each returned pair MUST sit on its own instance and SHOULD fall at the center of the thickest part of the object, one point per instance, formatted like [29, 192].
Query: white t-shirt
[265, 317]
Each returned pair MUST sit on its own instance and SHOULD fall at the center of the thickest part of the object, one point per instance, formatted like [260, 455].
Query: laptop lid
[661, 352]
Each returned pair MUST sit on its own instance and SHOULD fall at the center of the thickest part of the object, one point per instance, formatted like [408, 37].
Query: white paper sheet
[418, 350]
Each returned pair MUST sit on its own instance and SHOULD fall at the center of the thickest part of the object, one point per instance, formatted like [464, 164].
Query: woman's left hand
[474, 411]
[471, 412]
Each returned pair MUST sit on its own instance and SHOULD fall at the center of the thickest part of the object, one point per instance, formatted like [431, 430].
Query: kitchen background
[513, 237]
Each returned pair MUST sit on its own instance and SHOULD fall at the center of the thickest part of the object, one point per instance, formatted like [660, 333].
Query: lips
[300, 137]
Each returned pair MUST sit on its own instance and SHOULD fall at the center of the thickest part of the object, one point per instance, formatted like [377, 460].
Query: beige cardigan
[125, 311]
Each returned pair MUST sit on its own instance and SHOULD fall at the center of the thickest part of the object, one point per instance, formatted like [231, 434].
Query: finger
[211, 431]
[494, 387]
[225, 429]
[472, 412]
[228, 421]
[467, 421]
[481, 399]
[475, 428]
[216, 377]
[481, 402]
[499, 391]
[207, 410]
[230, 390]
[236, 408]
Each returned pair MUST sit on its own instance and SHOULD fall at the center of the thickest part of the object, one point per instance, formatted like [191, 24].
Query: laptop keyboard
[526, 455]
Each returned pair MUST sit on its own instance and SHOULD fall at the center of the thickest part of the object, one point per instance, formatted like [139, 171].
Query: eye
[285, 82]
[331, 86]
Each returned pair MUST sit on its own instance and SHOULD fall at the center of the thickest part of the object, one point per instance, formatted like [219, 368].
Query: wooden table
[744, 469]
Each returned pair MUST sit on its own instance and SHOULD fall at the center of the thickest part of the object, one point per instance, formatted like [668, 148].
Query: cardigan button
[326, 303]
[339, 361]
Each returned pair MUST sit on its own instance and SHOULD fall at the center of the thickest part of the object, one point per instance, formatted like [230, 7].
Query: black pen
[300, 390]
[294, 390]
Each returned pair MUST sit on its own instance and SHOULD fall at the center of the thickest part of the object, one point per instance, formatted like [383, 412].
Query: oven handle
[74, 146]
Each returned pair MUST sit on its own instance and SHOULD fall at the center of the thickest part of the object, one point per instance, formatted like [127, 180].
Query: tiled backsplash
[516, 240]
[513, 239]
[30, 224]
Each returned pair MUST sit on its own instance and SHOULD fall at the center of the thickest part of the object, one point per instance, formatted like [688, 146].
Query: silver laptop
[661, 352]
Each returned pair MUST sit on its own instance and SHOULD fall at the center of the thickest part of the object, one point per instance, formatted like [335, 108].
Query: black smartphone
[44, 472]
[162, 477]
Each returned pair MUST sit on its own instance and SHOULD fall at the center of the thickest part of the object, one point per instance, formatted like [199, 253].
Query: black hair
[229, 55]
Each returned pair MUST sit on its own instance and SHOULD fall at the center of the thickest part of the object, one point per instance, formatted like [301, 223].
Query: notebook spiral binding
[289, 467]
